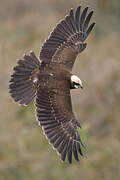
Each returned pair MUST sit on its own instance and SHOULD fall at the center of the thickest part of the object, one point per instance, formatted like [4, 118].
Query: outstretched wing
[54, 113]
[67, 39]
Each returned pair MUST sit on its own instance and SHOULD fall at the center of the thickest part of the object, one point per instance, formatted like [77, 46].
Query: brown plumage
[49, 79]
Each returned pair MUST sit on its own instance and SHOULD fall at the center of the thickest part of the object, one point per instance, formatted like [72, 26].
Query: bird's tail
[24, 79]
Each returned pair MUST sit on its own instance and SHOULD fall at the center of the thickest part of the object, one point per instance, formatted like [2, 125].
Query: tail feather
[22, 85]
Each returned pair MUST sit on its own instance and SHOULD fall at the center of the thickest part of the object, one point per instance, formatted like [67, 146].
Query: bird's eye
[76, 84]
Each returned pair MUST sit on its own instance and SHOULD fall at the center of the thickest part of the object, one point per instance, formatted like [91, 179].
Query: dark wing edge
[60, 128]
[24, 78]
[70, 32]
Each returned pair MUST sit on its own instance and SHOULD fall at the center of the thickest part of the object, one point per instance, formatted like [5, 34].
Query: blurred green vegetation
[24, 151]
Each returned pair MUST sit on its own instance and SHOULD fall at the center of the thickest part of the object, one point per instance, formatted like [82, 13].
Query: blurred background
[24, 151]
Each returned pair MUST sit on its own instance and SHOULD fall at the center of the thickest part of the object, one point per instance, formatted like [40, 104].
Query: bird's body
[49, 78]
[54, 77]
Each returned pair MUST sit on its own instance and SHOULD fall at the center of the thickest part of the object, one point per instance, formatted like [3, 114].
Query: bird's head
[75, 82]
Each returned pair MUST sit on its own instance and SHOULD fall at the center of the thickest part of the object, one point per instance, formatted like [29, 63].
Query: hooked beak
[81, 86]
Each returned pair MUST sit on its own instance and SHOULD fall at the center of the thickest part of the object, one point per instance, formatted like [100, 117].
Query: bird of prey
[49, 80]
